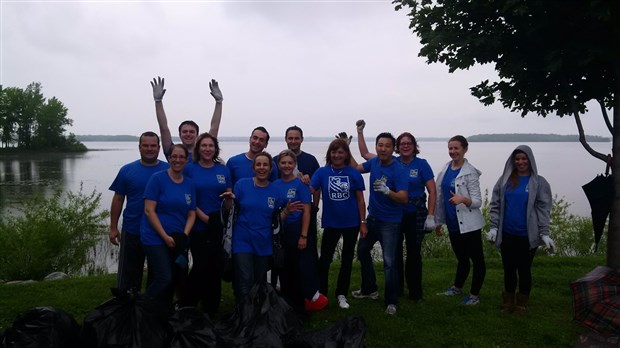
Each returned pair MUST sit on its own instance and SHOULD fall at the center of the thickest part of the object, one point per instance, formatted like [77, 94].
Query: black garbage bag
[43, 327]
[349, 332]
[191, 328]
[127, 320]
[600, 194]
[262, 319]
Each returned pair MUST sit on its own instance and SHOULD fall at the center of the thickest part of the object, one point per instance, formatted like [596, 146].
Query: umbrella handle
[608, 164]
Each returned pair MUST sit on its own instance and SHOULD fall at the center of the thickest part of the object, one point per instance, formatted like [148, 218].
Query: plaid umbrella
[596, 300]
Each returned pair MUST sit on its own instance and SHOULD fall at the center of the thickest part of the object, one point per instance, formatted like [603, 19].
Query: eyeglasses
[174, 157]
[405, 144]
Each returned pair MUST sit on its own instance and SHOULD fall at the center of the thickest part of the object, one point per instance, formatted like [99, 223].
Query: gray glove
[343, 136]
[549, 243]
[360, 124]
[215, 91]
[492, 235]
[429, 224]
[380, 186]
[158, 88]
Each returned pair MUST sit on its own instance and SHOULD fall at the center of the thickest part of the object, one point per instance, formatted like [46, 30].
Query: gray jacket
[467, 183]
[539, 201]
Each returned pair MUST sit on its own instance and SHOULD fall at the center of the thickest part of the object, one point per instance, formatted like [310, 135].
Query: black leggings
[517, 257]
[468, 246]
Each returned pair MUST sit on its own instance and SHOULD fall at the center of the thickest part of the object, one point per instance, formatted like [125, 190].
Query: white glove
[343, 136]
[549, 244]
[215, 91]
[429, 224]
[360, 126]
[158, 88]
[380, 186]
[492, 235]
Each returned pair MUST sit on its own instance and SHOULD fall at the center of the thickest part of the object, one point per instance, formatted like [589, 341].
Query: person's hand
[343, 136]
[305, 178]
[227, 195]
[158, 88]
[456, 199]
[302, 242]
[169, 242]
[115, 236]
[380, 186]
[492, 235]
[549, 243]
[438, 230]
[215, 91]
[360, 124]
[429, 224]
[363, 230]
[293, 207]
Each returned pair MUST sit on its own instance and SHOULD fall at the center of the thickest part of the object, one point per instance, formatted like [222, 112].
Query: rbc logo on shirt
[271, 202]
[338, 188]
[291, 193]
[221, 179]
[413, 173]
[188, 199]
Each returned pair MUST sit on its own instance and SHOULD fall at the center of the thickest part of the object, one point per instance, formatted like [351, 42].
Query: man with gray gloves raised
[188, 130]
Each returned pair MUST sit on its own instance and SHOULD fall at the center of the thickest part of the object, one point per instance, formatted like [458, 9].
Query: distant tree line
[522, 137]
[29, 121]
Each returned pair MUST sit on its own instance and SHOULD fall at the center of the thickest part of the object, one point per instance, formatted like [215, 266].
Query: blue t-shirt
[447, 186]
[252, 232]
[210, 184]
[515, 208]
[240, 167]
[381, 207]
[130, 182]
[339, 191]
[174, 201]
[294, 190]
[418, 173]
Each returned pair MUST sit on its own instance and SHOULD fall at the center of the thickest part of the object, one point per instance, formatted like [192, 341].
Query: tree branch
[605, 116]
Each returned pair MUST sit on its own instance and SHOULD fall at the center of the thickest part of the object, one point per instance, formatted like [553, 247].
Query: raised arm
[361, 141]
[162, 121]
[217, 111]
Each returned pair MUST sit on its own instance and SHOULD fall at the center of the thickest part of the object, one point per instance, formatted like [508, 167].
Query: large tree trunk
[613, 232]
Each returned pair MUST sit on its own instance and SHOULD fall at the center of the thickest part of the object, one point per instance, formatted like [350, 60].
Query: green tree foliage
[52, 234]
[551, 56]
[30, 121]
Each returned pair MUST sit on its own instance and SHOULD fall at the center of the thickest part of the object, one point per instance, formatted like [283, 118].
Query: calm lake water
[567, 166]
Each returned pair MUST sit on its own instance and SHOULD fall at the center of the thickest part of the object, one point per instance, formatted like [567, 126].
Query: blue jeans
[130, 262]
[160, 273]
[165, 273]
[387, 234]
[249, 269]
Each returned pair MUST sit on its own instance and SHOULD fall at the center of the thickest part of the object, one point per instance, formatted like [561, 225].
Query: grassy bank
[438, 322]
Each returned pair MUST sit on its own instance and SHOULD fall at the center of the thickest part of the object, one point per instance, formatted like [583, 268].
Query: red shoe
[317, 305]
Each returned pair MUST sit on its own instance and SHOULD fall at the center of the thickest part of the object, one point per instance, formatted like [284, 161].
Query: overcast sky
[320, 65]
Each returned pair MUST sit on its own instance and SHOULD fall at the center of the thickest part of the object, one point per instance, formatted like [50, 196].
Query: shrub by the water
[51, 234]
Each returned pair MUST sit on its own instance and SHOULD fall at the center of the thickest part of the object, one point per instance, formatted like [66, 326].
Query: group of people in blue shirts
[176, 208]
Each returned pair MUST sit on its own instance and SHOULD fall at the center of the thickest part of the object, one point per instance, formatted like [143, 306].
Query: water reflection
[23, 176]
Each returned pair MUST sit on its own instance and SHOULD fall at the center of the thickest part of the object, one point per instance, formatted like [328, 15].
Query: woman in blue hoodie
[519, 213]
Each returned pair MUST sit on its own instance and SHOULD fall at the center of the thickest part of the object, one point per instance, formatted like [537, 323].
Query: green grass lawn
[438, 322]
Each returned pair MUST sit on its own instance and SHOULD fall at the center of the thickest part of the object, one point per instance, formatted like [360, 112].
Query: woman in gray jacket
[519, 214]
[458, 206]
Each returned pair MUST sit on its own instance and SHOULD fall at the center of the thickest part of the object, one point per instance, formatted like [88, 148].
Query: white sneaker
[391, 309]
[342, 302]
